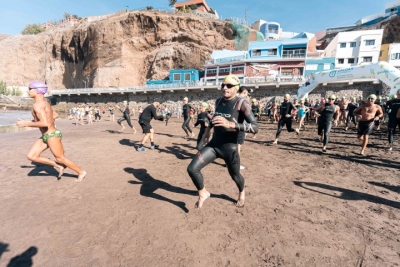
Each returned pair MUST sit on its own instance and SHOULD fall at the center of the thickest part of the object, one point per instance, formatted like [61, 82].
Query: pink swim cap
[40, 87]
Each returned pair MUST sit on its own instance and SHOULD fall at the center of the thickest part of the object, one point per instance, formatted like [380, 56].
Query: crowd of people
[227, 120]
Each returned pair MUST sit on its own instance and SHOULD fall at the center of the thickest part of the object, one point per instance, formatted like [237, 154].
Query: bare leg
[146, 136]
[240, 202]
[123, 127]
[203, 195]
[275, 142]
[57, 150]
[34, 155]
[364, 144]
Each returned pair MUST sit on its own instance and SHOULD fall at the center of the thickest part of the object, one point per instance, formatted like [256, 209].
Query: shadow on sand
[150, 185]
[346, 194]
[22, 260]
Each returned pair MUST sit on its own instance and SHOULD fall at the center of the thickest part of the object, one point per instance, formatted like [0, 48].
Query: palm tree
[172, 3]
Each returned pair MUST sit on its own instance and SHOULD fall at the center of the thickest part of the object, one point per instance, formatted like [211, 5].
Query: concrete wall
[64, 103]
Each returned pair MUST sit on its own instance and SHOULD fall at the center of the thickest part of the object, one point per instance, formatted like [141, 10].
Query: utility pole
[245, 17]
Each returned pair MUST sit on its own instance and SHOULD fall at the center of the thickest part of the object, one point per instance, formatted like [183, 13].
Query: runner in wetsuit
[326, 113]
[350, 116]
[150, 112]
[244, 93]
[186, 118]
[230, 110]
[366, 115]
[203, 120]
[382, 104]
[286, 110]
[393, 106]
[125, 116]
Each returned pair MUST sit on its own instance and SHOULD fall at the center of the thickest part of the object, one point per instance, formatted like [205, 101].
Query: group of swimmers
[232, 118]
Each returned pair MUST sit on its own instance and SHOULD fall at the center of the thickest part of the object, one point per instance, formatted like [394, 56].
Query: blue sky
[293, 15]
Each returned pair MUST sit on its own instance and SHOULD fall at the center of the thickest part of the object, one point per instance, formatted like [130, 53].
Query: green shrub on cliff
[6, 91]
[32, 29]
[3, 88]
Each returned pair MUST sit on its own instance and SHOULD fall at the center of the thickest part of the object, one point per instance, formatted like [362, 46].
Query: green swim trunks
[56, 134]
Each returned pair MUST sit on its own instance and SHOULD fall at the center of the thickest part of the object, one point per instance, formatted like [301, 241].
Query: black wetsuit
[393, 106]
[125, 116]
[186, 118]
[383, 106]
[145, 117]
[255, 109]
[224, 141]
[285, 109]
[325, 122]
[350, 116]
[202, 119]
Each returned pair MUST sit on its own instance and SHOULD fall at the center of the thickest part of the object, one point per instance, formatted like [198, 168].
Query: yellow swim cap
[205, 105]
[185, 99]
[232, 79]
[373, 96]
[332, 97]
[287, 95]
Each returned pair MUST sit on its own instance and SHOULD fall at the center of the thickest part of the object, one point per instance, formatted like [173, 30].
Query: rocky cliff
[125, 49]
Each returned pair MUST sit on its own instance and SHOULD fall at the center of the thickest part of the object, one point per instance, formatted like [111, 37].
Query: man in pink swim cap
[43, 118]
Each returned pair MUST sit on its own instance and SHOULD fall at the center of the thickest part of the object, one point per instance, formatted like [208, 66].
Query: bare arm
[40, 114]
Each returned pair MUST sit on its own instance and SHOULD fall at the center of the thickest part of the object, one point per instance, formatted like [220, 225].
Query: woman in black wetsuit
[125, 116]
[202, 119]
[186, 118]
[232, 114]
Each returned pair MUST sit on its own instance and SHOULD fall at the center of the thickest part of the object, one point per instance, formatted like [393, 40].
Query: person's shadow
[3, 248]
[393, 188]
[45, 170]
[346, 193]
[24, 259]
[150, 185]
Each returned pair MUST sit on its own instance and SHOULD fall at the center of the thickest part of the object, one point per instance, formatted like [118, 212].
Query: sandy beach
[303, 208]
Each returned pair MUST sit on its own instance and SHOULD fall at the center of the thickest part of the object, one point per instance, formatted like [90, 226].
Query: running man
[326, 113]
[350, 114]
[243, 92]
[43, 118]
[125, 116]
[382, 104]
[286, 112]
[150, 112]
[366, 115]
[186, 118]
[203, 121]
[343, 105]
[393, 106]
[230, 112]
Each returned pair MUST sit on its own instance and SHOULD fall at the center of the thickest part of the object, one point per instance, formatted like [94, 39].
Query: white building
[355, 47]
[394, 54]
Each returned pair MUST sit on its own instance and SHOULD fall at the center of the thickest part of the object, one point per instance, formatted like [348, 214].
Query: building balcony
[225, 60]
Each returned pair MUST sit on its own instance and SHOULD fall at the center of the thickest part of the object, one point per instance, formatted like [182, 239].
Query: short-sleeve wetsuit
[224, 141]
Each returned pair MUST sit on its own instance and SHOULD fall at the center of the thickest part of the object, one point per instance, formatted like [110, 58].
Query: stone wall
[64, 103]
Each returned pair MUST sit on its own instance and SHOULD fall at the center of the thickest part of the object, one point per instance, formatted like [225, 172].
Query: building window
[340, 60]
[350, 60]
[255, 53]
[327, 66]
[353, 44]
[187, 76]
[367, 59]
[272, 52]
[369, 42]
[312, 67]
[177, 76]
[342, 45]
[395, 56]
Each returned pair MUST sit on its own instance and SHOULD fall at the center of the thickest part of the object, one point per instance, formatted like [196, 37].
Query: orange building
[201, 5]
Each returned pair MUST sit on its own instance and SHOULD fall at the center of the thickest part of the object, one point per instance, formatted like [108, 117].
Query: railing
[226, 59]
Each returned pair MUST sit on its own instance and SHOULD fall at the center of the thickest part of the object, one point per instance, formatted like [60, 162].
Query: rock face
[125, 49]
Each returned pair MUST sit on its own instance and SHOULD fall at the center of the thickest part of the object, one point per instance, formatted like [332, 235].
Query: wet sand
[303, 208]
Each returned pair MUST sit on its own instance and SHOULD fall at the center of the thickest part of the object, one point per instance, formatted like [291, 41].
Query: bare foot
[275, 142]
[201, 200]
[324, 149]
[240, 202]
[81, 176]
[60, 170]
[135, 131]
[362, 153]
[122, 128]
[192, 135]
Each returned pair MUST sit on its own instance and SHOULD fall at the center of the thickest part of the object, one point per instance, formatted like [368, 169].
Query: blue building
[319, 64]
[178, 76]
[271, 30]
[279, 49]
[392, 8]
